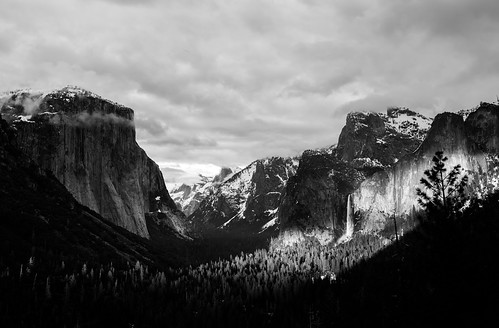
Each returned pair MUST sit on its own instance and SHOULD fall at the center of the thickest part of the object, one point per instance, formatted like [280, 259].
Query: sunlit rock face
[89, 144]
[471, 143]
[248, 200]
[316, 198]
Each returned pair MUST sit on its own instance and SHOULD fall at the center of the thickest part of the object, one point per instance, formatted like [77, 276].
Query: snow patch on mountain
[30, 99]
[269, 224]
[249, 199]
[398, 120]
[407, 122]
[366, 162]
[188, 197]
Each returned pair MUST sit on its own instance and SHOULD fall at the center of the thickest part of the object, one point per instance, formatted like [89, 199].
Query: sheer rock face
[316, 197]
[471, 144]
[89, 145]
[482, 128]
[38, 212]
[381, 138]
[248, 200]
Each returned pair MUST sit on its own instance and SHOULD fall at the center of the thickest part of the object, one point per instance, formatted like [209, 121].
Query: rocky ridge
[470, 140]
[189, 197]
[315, 199]
[248, 200]
[88, 143]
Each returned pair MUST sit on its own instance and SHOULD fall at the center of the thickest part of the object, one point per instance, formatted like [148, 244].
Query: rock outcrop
[315, 199]
[248, 200]
[471, 143]
[88, 143]
[39, 218]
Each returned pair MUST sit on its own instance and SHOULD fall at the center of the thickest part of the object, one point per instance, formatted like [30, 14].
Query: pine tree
[444, 194]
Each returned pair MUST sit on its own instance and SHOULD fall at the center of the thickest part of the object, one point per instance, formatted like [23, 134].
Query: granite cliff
[315, 199]
[40, 219]
[471, 142]
[88, 143]
[248, 200]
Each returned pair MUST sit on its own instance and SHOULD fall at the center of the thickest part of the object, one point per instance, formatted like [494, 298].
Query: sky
[221, 83]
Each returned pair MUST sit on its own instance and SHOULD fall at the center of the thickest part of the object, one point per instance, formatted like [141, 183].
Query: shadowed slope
[39, 217]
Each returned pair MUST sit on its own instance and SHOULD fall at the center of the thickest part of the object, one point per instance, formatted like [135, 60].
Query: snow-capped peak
[188, 197]
[397, 119]
[407, 122]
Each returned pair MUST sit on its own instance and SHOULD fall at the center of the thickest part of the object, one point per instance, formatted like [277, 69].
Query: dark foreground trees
[443, 194]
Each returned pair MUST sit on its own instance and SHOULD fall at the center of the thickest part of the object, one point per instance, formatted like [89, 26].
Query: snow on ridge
[24, 118]
[405, 121]
[238, 190]
[269, 224]
[416, 126]
[398, 119]
[68, 93]
[227, 222]
[71, 91]
[191, 195]
[466, 112]
[366, 162]
[10, 93]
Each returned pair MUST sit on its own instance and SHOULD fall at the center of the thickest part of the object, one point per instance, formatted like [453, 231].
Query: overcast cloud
[221, 83]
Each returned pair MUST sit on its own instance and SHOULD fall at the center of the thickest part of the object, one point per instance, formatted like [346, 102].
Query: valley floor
[437, 274]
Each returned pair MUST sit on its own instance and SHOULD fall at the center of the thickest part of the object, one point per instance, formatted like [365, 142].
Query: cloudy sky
[220, 82]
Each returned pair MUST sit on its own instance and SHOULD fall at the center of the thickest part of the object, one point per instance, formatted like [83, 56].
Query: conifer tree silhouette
[444, 193]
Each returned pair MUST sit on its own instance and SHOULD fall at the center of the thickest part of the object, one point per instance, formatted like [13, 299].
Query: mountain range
[249, 199]
[89, 234]
[188, 197]
[355, 186]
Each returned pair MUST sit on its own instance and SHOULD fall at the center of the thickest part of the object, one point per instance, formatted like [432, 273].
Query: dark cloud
[225, 82]
[460, 18]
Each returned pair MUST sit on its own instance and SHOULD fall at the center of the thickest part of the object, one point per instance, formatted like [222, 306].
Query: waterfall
[349, 226]
[349, 229]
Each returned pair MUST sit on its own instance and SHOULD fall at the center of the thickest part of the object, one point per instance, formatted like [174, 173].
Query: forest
[436, 273]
